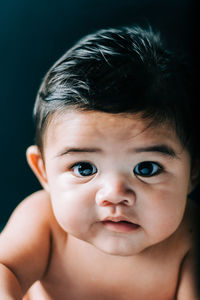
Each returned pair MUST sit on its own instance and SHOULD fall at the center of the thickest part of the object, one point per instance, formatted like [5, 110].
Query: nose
[114, 192]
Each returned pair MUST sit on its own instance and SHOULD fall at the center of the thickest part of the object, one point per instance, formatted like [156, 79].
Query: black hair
[117, 70]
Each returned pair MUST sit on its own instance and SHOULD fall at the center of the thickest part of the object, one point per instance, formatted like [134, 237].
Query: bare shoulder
[187, 288]
[39, 199]
[25, 240]
[33, 211]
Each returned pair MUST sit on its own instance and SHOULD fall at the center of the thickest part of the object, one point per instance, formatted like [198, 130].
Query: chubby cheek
[72, 206]
[163, 211]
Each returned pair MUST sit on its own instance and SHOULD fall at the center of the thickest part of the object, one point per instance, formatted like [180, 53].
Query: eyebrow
[78, 150]
[161, 149]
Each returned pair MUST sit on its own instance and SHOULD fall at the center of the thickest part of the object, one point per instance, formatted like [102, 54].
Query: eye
[84, 169]
[147, 169]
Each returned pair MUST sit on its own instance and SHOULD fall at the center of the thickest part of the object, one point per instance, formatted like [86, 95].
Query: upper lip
[117, 219]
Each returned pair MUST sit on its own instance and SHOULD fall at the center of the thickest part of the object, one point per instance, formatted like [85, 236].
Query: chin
[119, 253]
[120, 249]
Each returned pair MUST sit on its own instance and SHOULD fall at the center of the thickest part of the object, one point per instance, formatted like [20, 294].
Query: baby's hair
[126, 69]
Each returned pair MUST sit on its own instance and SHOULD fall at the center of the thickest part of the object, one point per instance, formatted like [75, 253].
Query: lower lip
[120, 226]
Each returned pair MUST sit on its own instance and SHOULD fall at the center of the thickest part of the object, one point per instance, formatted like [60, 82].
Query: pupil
[145, 168]
[85, 169]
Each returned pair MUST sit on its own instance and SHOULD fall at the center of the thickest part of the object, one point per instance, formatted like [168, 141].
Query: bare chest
[89, 287]
[78, 276]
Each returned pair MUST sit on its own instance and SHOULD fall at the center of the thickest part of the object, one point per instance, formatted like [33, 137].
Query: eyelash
[155, 167]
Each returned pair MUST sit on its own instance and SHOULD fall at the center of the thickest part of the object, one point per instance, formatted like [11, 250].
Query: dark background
[33, 35]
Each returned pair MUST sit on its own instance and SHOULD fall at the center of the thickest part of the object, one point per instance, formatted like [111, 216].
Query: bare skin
[72, 269]
[65, 241]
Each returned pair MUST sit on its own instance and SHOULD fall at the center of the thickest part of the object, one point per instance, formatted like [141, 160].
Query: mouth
[119, 225]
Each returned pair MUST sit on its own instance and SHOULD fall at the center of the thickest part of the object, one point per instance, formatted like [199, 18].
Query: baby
[117, 157]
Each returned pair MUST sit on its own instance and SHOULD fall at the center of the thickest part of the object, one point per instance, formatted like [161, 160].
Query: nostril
[105, 203]
[109, 203]
[126, 202]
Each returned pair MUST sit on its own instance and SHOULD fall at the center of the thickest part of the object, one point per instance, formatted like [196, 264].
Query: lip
[119, 224]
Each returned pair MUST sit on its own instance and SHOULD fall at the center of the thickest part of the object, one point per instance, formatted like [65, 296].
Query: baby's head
[118, 71]
[115, 136]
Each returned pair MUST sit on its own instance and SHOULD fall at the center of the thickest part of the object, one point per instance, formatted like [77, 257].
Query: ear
[35, 161]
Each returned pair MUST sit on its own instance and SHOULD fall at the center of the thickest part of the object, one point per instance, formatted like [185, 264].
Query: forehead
[93, 126]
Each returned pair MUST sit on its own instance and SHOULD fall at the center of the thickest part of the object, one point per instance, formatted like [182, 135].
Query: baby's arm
[25, 246]
[187, 289]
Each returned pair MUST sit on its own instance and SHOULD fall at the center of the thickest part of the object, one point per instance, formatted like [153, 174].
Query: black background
[33, 35]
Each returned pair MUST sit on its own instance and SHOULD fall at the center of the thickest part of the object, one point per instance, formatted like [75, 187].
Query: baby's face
[115, 183]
